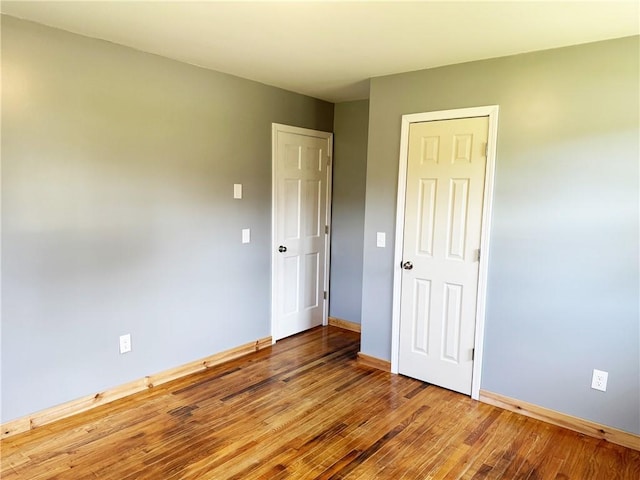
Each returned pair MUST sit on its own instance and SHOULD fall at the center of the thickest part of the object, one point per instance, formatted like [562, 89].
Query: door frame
[490, 111]
[275, 128]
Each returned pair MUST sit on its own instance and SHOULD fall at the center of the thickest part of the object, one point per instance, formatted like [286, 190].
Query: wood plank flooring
[304, 409]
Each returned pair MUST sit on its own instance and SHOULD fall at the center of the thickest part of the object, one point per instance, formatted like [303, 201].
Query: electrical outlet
[125, 343]
[599, 380]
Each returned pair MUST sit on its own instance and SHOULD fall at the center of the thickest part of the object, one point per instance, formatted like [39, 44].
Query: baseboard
[88, 402]
[345, 324]
[374, 362]
[587, 427]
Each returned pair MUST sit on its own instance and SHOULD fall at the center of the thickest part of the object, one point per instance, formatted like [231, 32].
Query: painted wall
[117, 212]
[563, 286]
[351, 120]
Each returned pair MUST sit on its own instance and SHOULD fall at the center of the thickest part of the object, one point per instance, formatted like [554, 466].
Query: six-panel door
[443, 219]
[301, 212]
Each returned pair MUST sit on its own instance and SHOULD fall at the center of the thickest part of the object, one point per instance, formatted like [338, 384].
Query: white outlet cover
[246, 235]
[125, 343]
[237, 190]
[381, 239]
[599, 380]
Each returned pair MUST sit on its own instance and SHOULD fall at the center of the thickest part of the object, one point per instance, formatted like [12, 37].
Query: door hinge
[477, 255]
[326, 229]
[324, 295]
[486, 149]
[473, 354]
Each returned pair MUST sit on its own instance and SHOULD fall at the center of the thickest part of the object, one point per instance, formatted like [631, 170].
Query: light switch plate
[237, 190]
[246, 235]
[381, 239]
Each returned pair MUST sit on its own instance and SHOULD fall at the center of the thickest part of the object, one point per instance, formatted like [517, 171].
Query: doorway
[442, 234]
[301, 196]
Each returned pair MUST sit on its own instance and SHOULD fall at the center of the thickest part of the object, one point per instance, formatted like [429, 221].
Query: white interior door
[446, 167]
[302, 161]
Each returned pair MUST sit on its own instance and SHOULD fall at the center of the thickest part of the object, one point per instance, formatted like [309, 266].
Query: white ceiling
[329, 49]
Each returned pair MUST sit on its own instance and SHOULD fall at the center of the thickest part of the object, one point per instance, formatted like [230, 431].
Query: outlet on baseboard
[599, 380]
[125, 343]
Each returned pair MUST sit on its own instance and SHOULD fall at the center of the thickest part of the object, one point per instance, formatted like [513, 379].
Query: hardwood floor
[305, 409]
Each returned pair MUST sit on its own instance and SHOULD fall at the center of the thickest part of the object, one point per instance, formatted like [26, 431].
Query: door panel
[426, 215]
[291, 213]
[452, 322]
[420, 315]
[458, 209]
[291, 283]
[311, 282]
[313, 211]
[443, 219]
[300, 216]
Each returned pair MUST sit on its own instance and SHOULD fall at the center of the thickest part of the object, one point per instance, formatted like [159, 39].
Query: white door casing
[300, 223]
[444, 205]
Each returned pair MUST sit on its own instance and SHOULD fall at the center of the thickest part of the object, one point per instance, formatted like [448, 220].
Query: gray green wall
[350, 123]
[117, 216]
[563, 286]
[117, 212]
